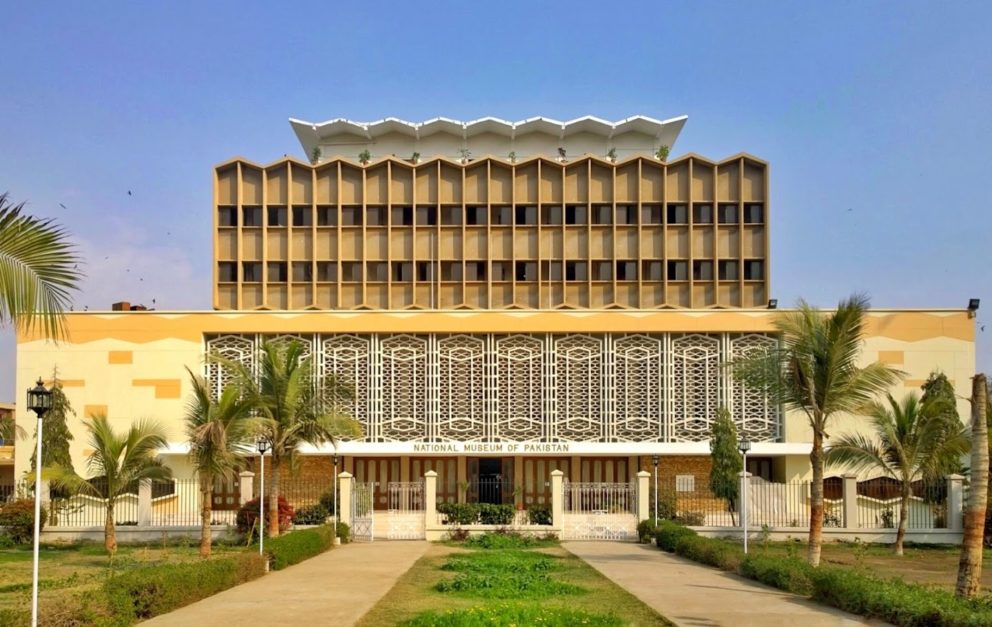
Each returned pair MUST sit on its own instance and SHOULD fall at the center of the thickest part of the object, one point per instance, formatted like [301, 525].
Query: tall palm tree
[291, 408]
[118, 463]
[38, 270]
[814, 370]
[909, 442]
[219, 430]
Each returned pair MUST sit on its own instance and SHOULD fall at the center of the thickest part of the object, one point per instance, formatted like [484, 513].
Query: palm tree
[291, 408]
[814, 370]
[910, 442]
[38, 270]
[218, 430]
[117, 464]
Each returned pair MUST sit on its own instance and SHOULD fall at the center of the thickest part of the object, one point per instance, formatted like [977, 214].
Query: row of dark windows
[405, 271]
[550, 215]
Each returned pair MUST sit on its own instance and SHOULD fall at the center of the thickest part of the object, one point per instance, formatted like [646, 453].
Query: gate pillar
[558, 500]
[642, 495]
[344, 497]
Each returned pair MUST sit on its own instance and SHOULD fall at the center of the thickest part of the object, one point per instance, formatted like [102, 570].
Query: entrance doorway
[490, 480]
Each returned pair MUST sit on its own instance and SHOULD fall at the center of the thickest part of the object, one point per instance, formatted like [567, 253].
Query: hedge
[476, 513]
[668, 533]
[296, 546]
[785, 573]
[146, 592]
[709, 551]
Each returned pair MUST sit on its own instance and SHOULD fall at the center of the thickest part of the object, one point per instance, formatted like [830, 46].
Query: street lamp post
[263, 445]
[336, 516]
[744, 446]
[655, 459]
[39, 401]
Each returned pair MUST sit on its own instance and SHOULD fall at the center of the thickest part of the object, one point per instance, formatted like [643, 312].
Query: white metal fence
[599, 511]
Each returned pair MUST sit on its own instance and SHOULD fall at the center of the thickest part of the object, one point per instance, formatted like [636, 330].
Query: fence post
[557, 500]
[955, 502]
[344, 497]
[642, 495]
[743, 484]
[430, 496]
[144, 503]
[246, 484]
[849, 495]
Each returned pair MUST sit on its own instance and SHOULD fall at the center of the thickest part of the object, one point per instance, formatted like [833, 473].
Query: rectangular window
[576, 214]
[327, 216]
[402, 216]
[375, 216]
[502, 216]
[702, 270]
[377, 271]
[278, 272]
[526, 215]
[451, 216]
[626, 271]
[475, 270]
[425, 271]
[501, 271]
[627, 214]
[351, 216]
[426, 216]
[576, 271]
[602, 271]
[526, 271]
[754, 213]
[754, 269]
[277, 216]
[551, 215]
[551, 270]
[678, 271]
[602, 214]
[302, 216]
[351, 271]
[451, 271]
[227, 272]
[728, 214]
[227, 216]
[402, 271]
[652, 271]
[702, 213]
[728, 269]
[678, 214]
[652, 214]
[327, 271]
[475, 216]
[302, 272]
[251, 272]
[251, 216]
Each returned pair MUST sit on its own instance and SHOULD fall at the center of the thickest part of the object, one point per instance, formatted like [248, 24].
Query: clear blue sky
[875, 116]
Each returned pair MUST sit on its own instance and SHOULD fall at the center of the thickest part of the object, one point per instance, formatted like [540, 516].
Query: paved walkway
[694, 595]
[334, 588]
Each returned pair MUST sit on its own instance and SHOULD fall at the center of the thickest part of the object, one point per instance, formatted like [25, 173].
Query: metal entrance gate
[600, 511]
[362, 511]
[406, 510]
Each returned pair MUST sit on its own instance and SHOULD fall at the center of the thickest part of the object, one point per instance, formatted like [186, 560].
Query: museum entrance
[490, 480]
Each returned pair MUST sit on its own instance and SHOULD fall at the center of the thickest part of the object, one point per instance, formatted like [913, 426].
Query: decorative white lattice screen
[527, 388]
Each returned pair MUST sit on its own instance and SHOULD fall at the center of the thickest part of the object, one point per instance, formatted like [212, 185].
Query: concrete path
[691, 594]
[334, 588]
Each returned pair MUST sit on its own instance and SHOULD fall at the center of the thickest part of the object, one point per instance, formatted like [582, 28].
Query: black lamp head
[39, 398]
[773, 303]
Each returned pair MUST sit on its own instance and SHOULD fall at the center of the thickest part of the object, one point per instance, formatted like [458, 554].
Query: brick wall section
[312, 477]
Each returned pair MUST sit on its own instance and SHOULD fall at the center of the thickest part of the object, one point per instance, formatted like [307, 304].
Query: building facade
[506, 300]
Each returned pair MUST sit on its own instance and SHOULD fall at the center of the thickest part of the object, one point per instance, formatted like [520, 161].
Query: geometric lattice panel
[695, 387]
[637, 375]
[753, 414]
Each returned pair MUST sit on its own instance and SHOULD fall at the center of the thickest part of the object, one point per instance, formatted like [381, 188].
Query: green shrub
[508, 574]
[327, 500]
[296, 546]
[709, 551]
[315, 514]
[539, 515]
[490, 514]
[690, 519]
[248, 516]
[459, 513]
[146, 592]
[785, 573]
[18, 518]
[646, 529]
[344, 532]
[6, 542]
[669, 533]
[512, 614]
[507, 539]
[667, 505]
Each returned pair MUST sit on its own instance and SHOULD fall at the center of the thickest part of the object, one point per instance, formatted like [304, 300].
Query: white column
[642, 495]
[955, 502]
[557, 500]
[246, 485]
[742, 492]
[430, 496]
[144, 503]
[344, 497]
[849, 493]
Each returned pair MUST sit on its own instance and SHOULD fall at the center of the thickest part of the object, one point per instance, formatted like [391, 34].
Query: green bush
[327, 500]
[512, 614]
[146, 592]
[247, 516]
[18, 518]
[6, 542]
[646, 529]
[490, 514]
[296, 546]
[539, 515]
[669, 533]
[895, 601]
[785, 573]
[690, 519]
[709, 551]
[315, 514]
[344, 532]
[507, 539]
[508, 574]
[459, 513]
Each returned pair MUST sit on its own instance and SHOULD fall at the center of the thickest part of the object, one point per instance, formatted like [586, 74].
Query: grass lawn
[928, 564]
[506, 586]
[67, 570]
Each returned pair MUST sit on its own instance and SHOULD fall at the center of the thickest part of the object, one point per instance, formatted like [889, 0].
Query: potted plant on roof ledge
[315, 155]
[365, 156]
[662, 152]
[611, 154]
[466, 155]
[415, 158]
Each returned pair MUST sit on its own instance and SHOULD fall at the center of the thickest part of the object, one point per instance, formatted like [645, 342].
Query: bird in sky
[128, 192]
[61, 205]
